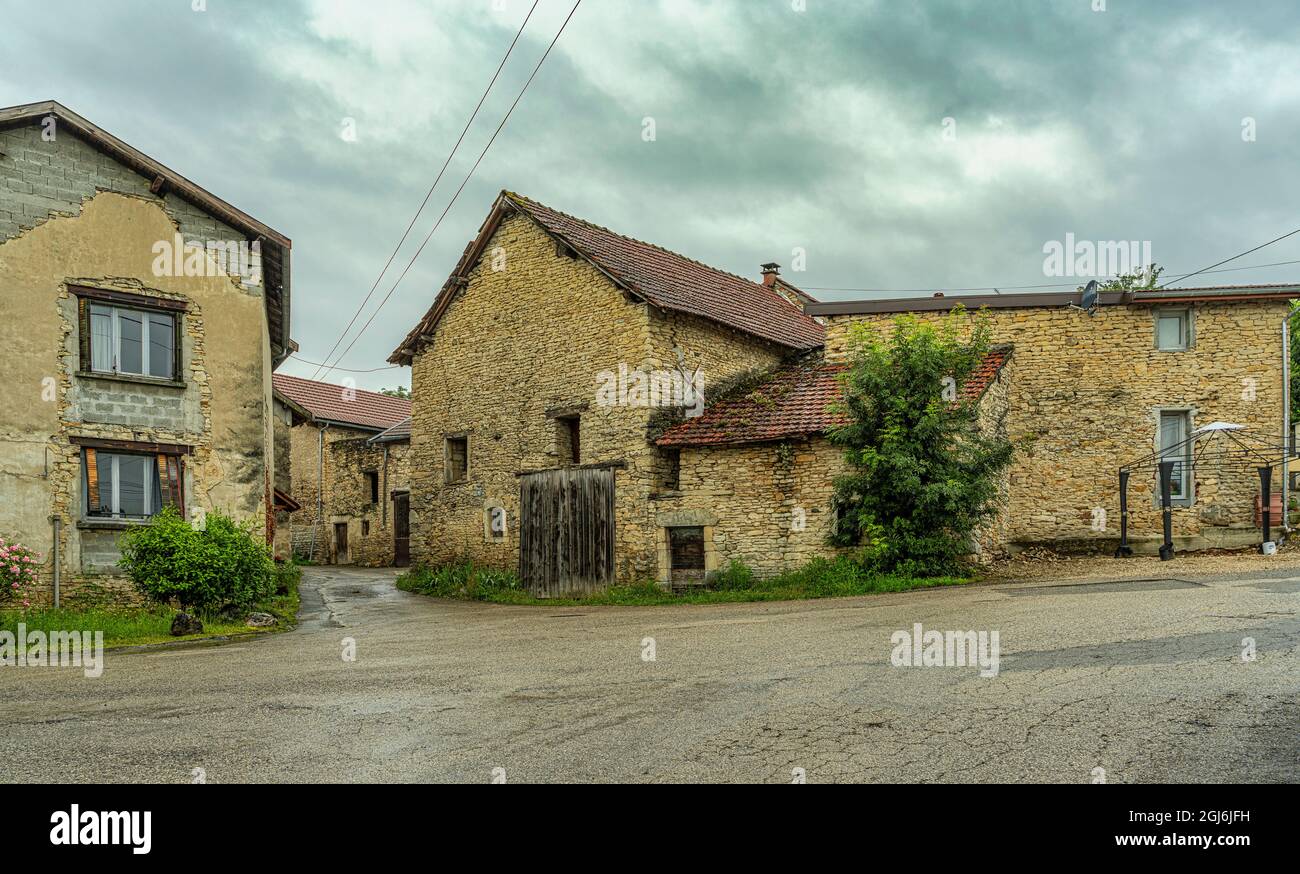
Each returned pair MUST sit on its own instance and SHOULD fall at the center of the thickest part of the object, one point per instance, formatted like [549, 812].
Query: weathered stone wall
[1086, 398]
[347, 496]
[312, 534]
[764, 504]
[520, 346]
[768, 505]
[220, 406]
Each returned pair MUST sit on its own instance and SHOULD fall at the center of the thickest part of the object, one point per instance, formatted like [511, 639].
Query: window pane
[131, 327]
[132, 480]
[161, 338]
[1169, 332]
[101, 338]
[1173, 431]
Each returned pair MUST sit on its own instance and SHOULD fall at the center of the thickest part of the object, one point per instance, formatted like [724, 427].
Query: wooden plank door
[566, 531]
[340, 543]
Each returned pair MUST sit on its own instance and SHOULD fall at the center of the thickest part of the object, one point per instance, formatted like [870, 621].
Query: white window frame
[151, 485]
[1184, 314]
[1182, 495]
[115, 339]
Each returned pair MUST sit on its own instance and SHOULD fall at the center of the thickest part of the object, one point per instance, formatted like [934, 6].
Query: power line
[1234, 257]
[345, 369]
[463, 183]
[429, 193]
[1044, 285]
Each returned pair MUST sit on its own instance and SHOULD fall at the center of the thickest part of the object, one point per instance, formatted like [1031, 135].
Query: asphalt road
[1143, 680]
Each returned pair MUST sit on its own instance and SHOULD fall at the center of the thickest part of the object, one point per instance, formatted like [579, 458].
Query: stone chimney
[770, 271]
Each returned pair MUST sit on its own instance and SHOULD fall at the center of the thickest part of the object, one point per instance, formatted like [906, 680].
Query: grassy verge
[820, 578]
[134, 627]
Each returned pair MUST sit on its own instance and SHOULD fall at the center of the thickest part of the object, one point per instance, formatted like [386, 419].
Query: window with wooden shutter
[92, 483]
[169, 481]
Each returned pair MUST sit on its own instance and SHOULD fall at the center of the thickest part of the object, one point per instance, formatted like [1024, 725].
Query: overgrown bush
[287, 575]
[462, 579]
[224, 565]
[18, 567]
[922, 475]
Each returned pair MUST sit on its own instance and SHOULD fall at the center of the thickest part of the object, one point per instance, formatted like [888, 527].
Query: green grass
[133, 627]
[820, 578]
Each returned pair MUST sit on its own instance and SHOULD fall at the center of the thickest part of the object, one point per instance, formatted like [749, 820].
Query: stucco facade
[76, 225]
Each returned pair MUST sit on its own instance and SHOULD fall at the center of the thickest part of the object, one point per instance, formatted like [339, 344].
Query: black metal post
[1265, 482]
[1124, 550]
[1166, 508]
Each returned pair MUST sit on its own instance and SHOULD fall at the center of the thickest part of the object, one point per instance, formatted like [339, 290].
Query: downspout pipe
[55, 557]
[1288, 439]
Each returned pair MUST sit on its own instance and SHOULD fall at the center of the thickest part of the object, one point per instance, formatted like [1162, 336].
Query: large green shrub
[224, 565]
[922, 474]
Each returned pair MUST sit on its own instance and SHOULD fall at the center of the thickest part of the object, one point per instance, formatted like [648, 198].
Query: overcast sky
[1171, 121]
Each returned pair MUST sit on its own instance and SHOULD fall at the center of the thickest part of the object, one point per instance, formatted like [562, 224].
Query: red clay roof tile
[793, 403]
[337, 403]
[665, 279]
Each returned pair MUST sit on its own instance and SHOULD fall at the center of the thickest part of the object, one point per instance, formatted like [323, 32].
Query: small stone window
[568, 439]
[456, 459]
[1173, 330]
[365, 527]
[670, 469]
[372, 484]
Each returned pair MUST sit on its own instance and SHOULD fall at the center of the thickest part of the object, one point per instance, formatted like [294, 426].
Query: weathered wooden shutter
[169, 480]
[178, 324]
[83, 334]
[92, 481]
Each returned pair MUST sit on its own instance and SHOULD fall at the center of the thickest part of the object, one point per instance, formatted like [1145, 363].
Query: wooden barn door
[566, 531]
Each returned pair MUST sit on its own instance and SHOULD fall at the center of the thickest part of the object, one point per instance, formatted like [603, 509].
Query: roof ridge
[656, 246]
[376, 394]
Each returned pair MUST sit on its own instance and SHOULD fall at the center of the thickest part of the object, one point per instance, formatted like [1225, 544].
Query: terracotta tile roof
[665, 279]
[793, 403]
[337, 403]
[675, 282]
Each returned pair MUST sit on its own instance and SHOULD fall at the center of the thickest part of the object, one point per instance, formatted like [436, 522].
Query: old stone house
[1080, 393]
[756, 471]
[543, 368]
[348, 471]
[1141, 372]
[115, 272]
[540, 442]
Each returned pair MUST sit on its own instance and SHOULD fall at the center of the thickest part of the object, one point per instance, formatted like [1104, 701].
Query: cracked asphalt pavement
[1144, 680]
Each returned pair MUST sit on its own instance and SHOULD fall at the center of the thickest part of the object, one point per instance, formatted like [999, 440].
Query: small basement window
[372, 483]
[1173, 330]
[456, 459]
